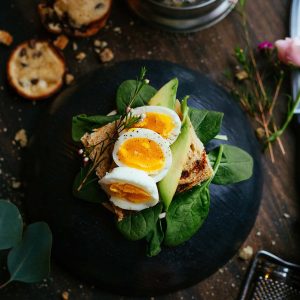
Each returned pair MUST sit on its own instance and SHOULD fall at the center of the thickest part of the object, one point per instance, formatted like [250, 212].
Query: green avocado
[168, 185]
[166, 95]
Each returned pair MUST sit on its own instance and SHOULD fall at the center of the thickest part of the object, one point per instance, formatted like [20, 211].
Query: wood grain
[208, 51]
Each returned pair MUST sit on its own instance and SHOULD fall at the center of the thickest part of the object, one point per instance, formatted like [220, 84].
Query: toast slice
[80, 18]
[36, 69]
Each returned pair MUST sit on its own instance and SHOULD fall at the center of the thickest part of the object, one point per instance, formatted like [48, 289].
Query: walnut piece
[106, 55]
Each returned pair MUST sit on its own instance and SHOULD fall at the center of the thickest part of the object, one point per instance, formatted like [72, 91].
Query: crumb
[149, 52]
[258, 233]
[273, 243]
[16, 184]
[131, 23]
[21, 137]
[61, 42]
[4, 129]
[97, 43]
[106, 55]
[221, 271]
[104, 44]
[97, 50]
[246, 253]
[118, 30]
[69, 78]
[55, 27]
[241, 75]
[287, 216]
[233, 285]
[65, 295]
[2, 88]
[80, 56]
[75, 46]
[5, 38]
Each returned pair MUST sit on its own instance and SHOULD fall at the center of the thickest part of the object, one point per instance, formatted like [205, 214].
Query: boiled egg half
[145, 150]
[130, 189]
[162, 120]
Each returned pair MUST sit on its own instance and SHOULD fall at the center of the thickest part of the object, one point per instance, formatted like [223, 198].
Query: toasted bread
[80, 18]
[197, 167]
[36, 69]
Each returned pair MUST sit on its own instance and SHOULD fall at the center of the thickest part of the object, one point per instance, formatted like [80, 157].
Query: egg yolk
[160, 123]
[129, 192]
[141, 153]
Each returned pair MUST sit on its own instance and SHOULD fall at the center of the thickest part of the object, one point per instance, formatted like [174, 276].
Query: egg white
[136, 178]
[164, 111]
[157, 175]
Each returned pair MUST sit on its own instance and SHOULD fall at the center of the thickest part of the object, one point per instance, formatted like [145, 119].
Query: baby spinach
[138, 225]
[126, 92]
[236, 165]
[207, 124]
[188, 211]
[154, 239]
[91, 190]
[83, 123]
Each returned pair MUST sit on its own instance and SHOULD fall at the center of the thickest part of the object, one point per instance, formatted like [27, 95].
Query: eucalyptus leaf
[29, 261]
[138, 225]
[154, 239]
[91, 190]
[236, 165]
[83, 123]
[186, 214]
[207, 124]
[11, 225]
[126, 91]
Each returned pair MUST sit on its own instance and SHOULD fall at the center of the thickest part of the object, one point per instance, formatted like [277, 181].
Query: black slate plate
[85, 239]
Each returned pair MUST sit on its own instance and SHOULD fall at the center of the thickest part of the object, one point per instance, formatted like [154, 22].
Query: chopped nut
[246, 253]
[69, 78]
[75, 46]
[65, 295]
[241, 75]
[16, 184]
[21, 137]
[5, 38]
[80, 56]
[97, 43]
[118, 30]
[61, 42]
[106, 55]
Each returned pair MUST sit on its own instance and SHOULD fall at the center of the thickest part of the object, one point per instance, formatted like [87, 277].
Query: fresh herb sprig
[257, 85]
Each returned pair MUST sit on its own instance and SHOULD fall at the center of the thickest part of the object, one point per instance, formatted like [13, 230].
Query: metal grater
[271, 278]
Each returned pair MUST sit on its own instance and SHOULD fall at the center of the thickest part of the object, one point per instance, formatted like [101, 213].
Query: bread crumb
[21, 137]
[97, 50]
[69, 78]
[287, 216]
[106, 55]
[246, 253]
[65, 295]
[5, 38]
[55, 27]
[61, 42]
[97, 43]
[104, 44]
[118, 30]
[258, 233]
[16, 184]
[273, 243]
[75, 46]
[80, 56]
[131, 23]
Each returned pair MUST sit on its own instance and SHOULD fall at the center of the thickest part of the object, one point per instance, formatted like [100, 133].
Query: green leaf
[126, 91]
[29, 261]
[207, 124]
[186, 214]
[83, 123]
[236, 165]
[154, 239]
[91, 190]
[11, 225]
[138, 225]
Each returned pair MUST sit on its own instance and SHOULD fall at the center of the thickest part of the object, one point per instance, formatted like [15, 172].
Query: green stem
[279, 132]
[5, 284]
[216, 164]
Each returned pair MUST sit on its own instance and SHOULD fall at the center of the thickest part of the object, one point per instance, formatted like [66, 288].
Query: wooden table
[210, 51]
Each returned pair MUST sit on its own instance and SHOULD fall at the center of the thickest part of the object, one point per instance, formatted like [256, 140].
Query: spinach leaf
[138, 225]
[154, 239]
[83, 123]
[91, 190]
[126, 92]
[207, 124]
[11, 225]
[29, 261]
[188, 211]
[236, 165]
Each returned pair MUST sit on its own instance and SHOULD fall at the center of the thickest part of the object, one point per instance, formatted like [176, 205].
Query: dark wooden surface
[209, 51]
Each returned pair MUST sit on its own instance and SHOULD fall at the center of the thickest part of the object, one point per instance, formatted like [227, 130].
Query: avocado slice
[166, 95]
[168, 185]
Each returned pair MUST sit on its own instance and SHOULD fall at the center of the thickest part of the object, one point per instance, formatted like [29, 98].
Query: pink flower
[289, 51]
[265, 45]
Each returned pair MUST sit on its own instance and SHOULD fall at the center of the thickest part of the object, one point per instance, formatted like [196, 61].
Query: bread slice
[197, 167]
[81, 18]
[36, 69]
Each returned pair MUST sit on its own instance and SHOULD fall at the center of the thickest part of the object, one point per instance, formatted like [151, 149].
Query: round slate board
[86, 241]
